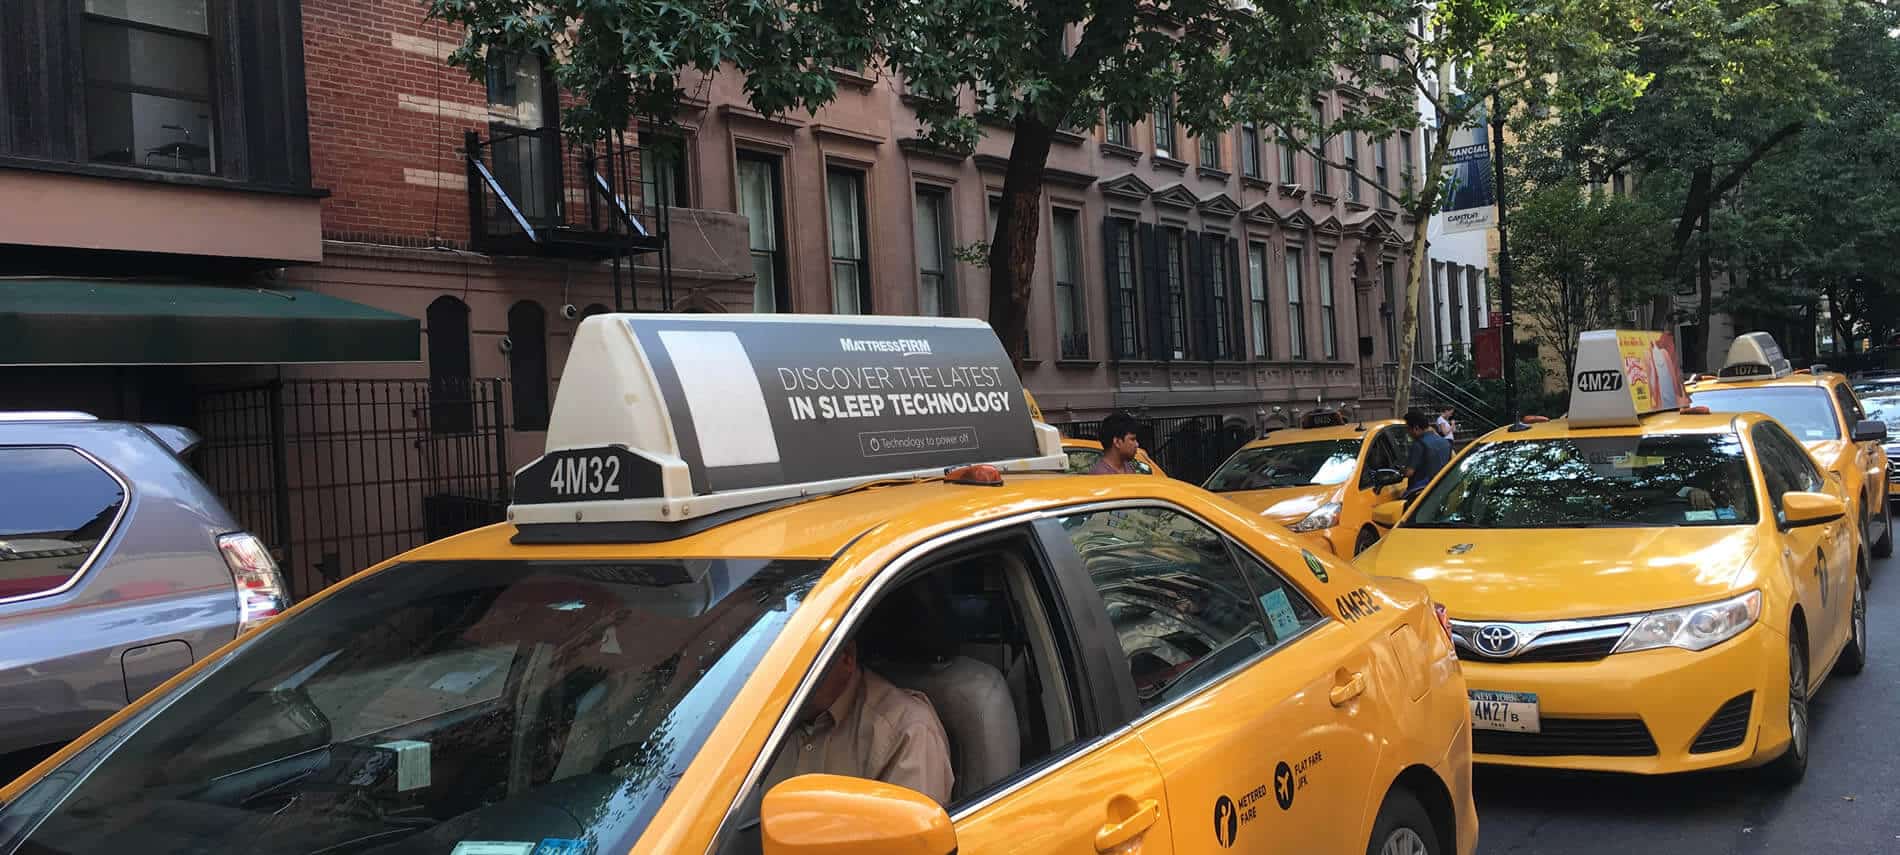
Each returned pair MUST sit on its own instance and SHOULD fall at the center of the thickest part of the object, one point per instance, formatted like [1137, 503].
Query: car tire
[1854, 656]
[1367, 537]
[1788, 769]
[1403, 827]
[1883, 548]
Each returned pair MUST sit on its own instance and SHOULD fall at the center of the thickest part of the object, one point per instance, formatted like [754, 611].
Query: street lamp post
[1506, 335]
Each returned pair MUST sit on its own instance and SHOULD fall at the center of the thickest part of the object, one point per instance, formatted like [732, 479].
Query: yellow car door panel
[1110, 799]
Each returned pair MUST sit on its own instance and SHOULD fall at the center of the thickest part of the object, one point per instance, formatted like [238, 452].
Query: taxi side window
[1784, 463]
[1177, 598]
[1384, 454]
[1850, 406]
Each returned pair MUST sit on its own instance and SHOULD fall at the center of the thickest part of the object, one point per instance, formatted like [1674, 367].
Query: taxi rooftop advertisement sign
[672, 407]
[1622, 375]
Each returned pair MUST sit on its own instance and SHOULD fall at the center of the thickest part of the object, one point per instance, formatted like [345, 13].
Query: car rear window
[56, 509]
[1807, 411]
[431, 705]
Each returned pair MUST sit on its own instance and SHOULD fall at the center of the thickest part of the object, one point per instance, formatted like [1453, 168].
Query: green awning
[93, 322]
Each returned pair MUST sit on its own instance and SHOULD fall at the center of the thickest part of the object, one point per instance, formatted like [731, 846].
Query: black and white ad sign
[759, 404]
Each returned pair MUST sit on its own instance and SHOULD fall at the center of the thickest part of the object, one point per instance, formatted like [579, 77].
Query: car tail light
[1444, 621]
[260, 587]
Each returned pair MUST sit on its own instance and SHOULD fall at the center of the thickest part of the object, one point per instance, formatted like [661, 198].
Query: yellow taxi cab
[1636, 588]
[802, 585]
[1322, 483]
[1820, 408]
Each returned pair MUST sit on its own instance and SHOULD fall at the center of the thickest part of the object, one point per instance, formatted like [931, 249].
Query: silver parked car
[118, 568]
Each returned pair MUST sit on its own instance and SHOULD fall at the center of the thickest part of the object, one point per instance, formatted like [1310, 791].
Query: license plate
[1514, 711]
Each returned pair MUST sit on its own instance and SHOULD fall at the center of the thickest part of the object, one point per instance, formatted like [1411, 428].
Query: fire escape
[537, 192]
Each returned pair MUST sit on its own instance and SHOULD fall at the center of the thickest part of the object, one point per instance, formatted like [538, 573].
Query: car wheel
[1792, 765]
[1854, 657]
[1367, 537]
[1883, 548]
[1403, 828]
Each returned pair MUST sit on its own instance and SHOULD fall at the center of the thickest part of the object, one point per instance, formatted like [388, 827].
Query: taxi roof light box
[670, 418]
[1623, 375]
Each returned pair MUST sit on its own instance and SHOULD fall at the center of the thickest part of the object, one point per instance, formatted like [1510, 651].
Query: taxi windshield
[1806, 411]
[432, 704]
[1595, 482]
[1298, 464]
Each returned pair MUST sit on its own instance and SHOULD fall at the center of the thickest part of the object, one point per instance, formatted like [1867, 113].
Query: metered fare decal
[1231, 816]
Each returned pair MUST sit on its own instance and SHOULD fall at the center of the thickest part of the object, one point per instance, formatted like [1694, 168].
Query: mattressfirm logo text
[905, 346]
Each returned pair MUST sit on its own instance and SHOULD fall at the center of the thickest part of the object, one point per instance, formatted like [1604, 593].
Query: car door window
[1784, 463]
[1384, 454]
[1850, 406]
[1178, 600]
[57, 508]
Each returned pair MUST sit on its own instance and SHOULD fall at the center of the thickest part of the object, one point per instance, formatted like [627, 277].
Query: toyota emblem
[1497, 640]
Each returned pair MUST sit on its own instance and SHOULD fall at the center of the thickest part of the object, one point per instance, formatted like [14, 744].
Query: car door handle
[1348, 690]
[1114, 834]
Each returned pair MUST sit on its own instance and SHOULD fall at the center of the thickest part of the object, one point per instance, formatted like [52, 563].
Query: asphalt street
[1849, 803]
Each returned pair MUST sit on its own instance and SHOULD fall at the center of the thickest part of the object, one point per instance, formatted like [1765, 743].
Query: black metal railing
[1378, 381]
[1075, 346]
[1187, 447]
[335, 475]
[541, 192]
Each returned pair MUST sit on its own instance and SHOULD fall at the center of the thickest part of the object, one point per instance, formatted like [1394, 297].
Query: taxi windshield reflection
[440, 702]
[1595, 482]
[1299, 464]
[1807, 411]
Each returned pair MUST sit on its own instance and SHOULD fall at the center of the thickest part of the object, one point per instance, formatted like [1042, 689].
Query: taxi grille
[1584, 650]
[1727, 728]
[1598, 737]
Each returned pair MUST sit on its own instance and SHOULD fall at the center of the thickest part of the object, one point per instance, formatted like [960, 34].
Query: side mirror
[1387, 515]
[1383, 478]
[1870, 430]
[839, 815]
[1803, 509]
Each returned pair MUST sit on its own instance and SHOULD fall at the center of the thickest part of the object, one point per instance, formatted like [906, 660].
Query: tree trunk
[1013, 247]
[1705, 298]
[1426, 203]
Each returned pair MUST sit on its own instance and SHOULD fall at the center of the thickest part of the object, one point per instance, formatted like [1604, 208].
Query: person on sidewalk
[1445, 425]
[1430, 452]
[1119, 445]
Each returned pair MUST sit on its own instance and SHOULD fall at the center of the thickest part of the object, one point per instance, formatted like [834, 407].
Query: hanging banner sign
[1470, 198]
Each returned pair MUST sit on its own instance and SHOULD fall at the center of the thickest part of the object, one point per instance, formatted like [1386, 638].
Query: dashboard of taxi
[436, 703]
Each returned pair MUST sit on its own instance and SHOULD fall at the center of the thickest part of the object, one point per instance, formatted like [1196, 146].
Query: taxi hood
[1285, 504]
[1555, 574]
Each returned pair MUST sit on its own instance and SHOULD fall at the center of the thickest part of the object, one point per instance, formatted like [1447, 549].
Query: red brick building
[367, 324]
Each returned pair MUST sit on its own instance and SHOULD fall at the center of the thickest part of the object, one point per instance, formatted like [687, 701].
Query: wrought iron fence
[1187, 447]
[335, 475]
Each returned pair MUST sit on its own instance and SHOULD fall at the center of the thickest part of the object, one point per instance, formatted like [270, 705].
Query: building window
[1257, 294]
[451, 406]
[1409, 160]
[1295, 313]
[663, 172]
[1210, 151]
[1382, 171]
[1617, 186]
[1319, 150]
[761, 200]
[1125, 292]
[1328, 321]
[148, 85]
[1457, 288]
[1071, 321]
[1289, 171]
[850, 271]
[528, 364]
[1387, 283]
[1216, 246]
[937, 294]
[1250, 151]
[1177, 293]
[1439, 274]
[523, 141]
[1164, 130]
[1352, 166]
[1121, 133]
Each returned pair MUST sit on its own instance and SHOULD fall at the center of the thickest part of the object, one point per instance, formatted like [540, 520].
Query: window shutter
[1201, 295]
[1238, 307]
[1111, 285]
[1194, 291]
[1153, 246]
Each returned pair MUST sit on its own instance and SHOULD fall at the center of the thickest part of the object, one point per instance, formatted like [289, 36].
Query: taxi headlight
[1694, 627]
[1323, 517]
